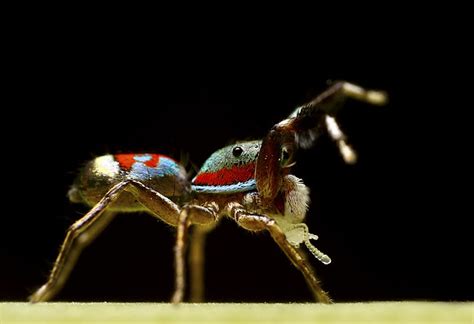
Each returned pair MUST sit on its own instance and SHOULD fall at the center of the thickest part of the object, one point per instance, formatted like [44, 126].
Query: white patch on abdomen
[106, 166]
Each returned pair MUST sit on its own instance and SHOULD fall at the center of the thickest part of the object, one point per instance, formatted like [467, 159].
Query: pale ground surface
[379, 312]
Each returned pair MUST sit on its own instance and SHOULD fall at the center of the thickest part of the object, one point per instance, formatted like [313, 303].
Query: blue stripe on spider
[239, 187]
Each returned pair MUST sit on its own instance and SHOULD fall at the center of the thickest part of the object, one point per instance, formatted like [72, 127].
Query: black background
[394, 224]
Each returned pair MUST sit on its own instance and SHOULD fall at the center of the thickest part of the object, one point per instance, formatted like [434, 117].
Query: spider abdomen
[156, 171]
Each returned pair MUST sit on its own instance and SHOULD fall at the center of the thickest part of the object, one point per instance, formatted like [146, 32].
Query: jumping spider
[249, 182]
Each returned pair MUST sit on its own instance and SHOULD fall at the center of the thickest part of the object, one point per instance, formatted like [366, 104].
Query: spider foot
[41, 295]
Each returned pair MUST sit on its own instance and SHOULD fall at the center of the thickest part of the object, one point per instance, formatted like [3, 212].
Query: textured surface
[385, 312]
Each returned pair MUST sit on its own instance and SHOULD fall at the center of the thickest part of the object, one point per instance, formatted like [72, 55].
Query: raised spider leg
[301, 129]
[328, 103]
[261, 222]
[330, 100]
[86, 229]
[190, 214]
[196, 259]
[335, 132]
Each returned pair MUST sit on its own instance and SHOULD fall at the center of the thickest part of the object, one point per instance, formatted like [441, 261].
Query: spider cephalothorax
[229, 170]
[250, 182]
[228, 178]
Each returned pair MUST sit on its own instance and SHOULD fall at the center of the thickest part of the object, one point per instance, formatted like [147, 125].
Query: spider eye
[285, 157]
[237, 151]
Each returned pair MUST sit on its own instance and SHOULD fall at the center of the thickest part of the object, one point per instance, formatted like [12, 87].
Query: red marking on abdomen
[226, 176]
[125, 161]
[153, 162]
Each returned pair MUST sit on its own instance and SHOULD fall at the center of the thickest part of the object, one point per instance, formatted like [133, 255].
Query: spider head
[230, 169]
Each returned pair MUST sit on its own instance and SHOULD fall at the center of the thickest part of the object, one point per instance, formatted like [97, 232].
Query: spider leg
[308, 118]
[196, 261]
[85, 230]
[330, 101]
[89, 236]
[159, 206]
[347, 152]
[261, 222]
[302, 128]
[325, 106]
[67, 259]
[71, 249]
[191, 214]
